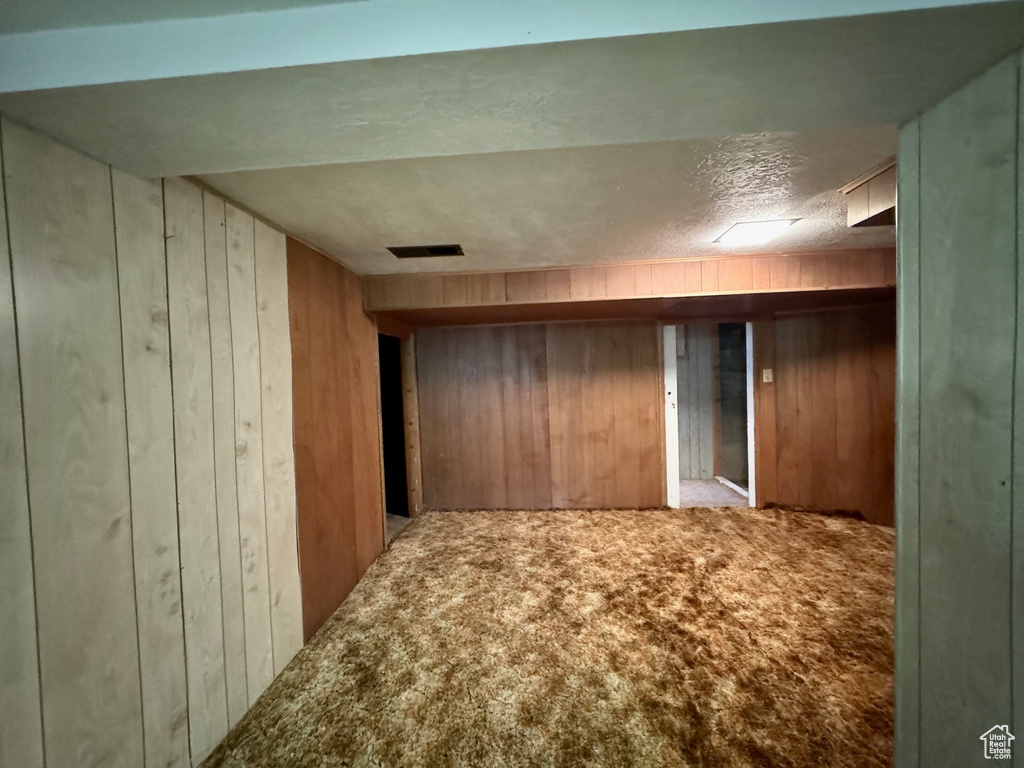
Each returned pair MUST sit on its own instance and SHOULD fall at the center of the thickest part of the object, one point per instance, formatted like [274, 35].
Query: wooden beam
[695, 309]
[834, 270]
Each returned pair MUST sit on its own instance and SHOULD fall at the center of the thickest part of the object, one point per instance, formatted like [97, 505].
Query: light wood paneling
[278, 457]
[696, 403]
[224, 457]
[61, 234]
[124, 641]
[21, 729]
[530, 417]
[145, 344]
[194, 453]
[968, 281]
[744, 274]
[337, 443]
[825, 425]
[252, 519]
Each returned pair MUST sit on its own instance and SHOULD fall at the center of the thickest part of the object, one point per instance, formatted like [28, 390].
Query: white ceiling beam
[372, 29]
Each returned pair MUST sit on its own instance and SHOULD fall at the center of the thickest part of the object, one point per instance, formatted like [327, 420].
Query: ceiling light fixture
[755, 232]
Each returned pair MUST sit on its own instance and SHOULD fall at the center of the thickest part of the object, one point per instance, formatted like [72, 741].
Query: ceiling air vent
[426, 251]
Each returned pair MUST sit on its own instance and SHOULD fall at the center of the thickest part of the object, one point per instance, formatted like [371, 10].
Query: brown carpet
[726, 637]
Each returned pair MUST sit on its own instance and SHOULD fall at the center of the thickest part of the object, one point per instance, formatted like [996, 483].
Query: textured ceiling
[563, 153]
[800, 76]
[573, 206]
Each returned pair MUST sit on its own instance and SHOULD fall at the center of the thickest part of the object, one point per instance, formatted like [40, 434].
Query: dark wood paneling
[483, 417]
[537, 417]
[825, 426]
[765, 407]
[337, 443]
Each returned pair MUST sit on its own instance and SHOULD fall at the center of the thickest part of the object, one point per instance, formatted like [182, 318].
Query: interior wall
[696, 379]
[960, 466]
[825, 425]
[541, 416]
[338, 469]
[147, 534]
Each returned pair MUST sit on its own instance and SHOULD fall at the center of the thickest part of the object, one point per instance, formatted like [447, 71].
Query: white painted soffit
[350, 31]
[798, 76]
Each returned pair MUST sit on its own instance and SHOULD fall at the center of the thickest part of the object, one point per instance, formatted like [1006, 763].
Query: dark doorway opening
[396, 494]
[732, 373]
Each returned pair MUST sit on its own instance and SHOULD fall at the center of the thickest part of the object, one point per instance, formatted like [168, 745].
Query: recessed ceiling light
[755, 232]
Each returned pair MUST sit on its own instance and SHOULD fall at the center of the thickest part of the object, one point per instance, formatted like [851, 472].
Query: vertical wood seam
[213, 432]
[262, 462]
[174, 442]
[128, 462]
[234, 457]
[24, 443]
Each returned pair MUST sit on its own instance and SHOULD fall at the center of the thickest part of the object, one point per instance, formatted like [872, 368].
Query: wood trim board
[820, 271]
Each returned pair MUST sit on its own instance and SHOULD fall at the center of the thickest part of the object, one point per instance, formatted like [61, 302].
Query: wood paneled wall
[960, 456]
[696, 397]
[825, 427]
[337, 431]
[148, 452]
[743, 274]
[541, 416]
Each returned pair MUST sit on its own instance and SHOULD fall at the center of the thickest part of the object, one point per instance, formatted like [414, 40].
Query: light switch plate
[767, 375]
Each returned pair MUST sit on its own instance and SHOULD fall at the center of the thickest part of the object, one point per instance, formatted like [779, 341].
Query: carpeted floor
[726, 637]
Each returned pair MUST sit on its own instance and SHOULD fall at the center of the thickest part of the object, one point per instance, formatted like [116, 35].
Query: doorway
[707, 393]
[733, 469]
[392, 418]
